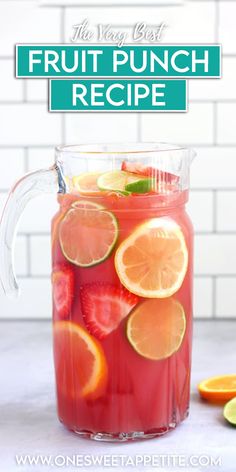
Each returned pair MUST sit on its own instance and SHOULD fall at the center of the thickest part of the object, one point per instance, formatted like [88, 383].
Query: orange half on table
[218, 389]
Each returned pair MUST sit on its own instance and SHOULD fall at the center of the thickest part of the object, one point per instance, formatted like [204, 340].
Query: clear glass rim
[82, 150]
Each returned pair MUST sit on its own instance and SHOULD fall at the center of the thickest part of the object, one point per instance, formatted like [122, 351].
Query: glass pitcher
[122, 251]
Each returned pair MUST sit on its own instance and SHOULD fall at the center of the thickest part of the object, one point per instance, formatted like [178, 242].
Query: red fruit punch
[104, 306]
[140, 169]
[63, 290]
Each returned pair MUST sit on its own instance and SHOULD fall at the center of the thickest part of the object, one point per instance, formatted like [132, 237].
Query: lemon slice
[153, 260]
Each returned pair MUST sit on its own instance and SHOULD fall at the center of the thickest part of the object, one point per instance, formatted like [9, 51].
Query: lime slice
[230, 411]
[86, 184]
[140, 186]
[87, 233]
[156, 328]
[116, 181]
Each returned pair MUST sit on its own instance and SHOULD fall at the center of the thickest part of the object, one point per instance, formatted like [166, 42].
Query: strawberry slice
[63, 290]
[140, 169]
[104, 306]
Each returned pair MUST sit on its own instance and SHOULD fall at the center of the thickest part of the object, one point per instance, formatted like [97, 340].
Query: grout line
[25, 320]
[217, 21]
[213, 297]
[214, 216]
[212, 100]
[50, 145]
[114, 5]
[215, 122]
[62, 24]
[139, 128]
[25, 81]
[202, 276]
[2, 58]
[63, 128]
[28, 256]
[18, 102]
[26, 159]
[217, 276]
[35, 277]
[213, 233]
[34, 233]
[210, 189]
[210, 145]
[33, 146]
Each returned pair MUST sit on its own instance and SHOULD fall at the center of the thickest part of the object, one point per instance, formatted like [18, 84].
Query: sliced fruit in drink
[141, 186]
[104, 306]
[55, 226]
[65, 200]
[86, 184]
[153, 172]
[230, 411]
[152, 261]
[63, 290]
[156, 328]
[220, 388]
[116, 181]
[87, 233]
[80, 362]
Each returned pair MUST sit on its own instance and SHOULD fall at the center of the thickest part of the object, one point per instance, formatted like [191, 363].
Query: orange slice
[86, 184]
[87, 233]
[220, 388]
[80, 363]
[153, 260]
[156, 328]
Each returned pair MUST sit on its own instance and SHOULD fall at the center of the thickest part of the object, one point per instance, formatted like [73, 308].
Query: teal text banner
[117, 95]
[145, 61]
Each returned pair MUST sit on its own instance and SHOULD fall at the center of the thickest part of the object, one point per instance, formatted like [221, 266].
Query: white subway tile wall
[11, 90]
[28, 133]
[28, 125]
[193, 127]
[227, 31]
[40, 248]
[226, 123]
[95, 127]
[226, 297]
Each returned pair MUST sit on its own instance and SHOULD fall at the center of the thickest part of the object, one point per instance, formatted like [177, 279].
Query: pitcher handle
[29, 186]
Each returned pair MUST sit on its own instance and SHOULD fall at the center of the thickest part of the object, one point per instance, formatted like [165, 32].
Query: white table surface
[28, 423]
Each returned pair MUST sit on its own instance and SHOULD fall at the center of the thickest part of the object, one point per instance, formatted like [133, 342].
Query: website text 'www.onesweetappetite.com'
[119, 460]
